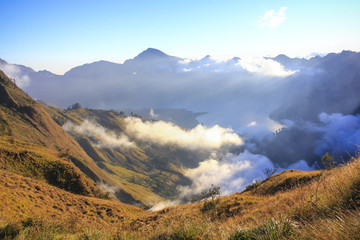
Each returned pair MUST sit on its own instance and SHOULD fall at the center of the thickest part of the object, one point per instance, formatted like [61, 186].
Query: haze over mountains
[310, 99]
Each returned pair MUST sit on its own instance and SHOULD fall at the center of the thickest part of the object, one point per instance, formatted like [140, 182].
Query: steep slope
[23, 198]
[27, 126]
[24, 119]
[145, 166]
[31, 143]
[45, 164]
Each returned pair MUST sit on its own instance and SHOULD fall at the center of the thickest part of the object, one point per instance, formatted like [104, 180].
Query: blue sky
[58, 35]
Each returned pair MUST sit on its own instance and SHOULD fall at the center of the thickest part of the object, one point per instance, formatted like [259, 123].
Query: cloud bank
[262, 66]
[341, 134]
[200, 137]
[104, 137]
[231, 172]
[22, 80]
[266, 67]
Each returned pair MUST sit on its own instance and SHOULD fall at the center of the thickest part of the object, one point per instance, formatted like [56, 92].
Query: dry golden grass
[285, 181]
[23, 198]
[329, 200]
[323, 208]
[45, 164]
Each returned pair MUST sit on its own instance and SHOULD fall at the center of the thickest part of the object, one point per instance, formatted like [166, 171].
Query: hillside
[147, 167]
[32, 144]
[324, 207]
[27, 202]
[29, 134]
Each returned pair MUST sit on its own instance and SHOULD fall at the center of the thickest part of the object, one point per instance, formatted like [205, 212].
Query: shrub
[10, 231]
[211, 198]
[328, 161]
[253, 186]
[269, 230]
[269, 172]
[210, 205]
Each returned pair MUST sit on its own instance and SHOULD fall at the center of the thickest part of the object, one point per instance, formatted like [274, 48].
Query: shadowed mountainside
[150, 166]
[35, 145]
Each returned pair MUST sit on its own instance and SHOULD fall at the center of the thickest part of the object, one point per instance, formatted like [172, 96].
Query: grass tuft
[269, 230]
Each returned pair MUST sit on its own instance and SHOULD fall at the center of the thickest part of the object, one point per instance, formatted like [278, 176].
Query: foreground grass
[325, 206]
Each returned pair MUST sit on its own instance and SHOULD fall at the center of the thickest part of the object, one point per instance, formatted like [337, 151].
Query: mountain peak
[3, 61]
[151, 53]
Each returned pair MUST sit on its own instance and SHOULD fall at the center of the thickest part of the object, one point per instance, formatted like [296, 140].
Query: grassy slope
[25, 119]
[325, 207]
[24, 198]
[30, 138]
[147, 172]
[45, 164]
[25, 124]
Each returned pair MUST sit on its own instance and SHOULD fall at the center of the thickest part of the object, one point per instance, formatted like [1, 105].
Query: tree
[269, 172]
[213, 192]
[328, 161]
[212, 200]
[74, 106]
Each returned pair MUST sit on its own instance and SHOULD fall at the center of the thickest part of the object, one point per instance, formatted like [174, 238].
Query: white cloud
[232, 173]
[164, 204]
[104, 137]
[209, 64]
[263, 66]
[341, 134]
[266, 67]
[14, 72]
[251, 124]
[199, 137]
[108, 188]
[272, 19]
[153, 114]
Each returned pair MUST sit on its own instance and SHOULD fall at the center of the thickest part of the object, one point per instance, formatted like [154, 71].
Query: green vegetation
[269, 172]
[211, 198]
[269, 230]
[328, 161]
[44, 164]
[140, 171]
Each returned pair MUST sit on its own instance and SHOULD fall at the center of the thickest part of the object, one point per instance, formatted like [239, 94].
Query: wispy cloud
[272, 19]
[200, 137]
[266, 67]
[13, 71]
[104, 137]
[153, 114]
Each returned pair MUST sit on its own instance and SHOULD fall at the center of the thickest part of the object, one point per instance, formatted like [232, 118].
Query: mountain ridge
[154, 53]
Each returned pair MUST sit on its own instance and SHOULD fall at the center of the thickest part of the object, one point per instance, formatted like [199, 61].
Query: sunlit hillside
[325, 206]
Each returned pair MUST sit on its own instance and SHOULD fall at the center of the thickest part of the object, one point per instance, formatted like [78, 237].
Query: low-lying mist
[200, 137]
[104, 137]
[262, 113]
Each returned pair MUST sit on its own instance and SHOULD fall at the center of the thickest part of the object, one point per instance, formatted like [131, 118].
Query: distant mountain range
[154, 79]
[251, 96]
